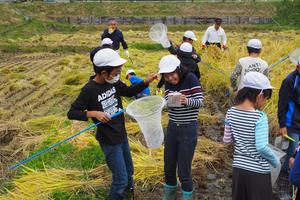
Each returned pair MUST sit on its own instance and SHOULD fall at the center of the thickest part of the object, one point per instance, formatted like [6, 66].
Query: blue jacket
[295, 171]
[135, 80]
[117, 38]
[288, 103]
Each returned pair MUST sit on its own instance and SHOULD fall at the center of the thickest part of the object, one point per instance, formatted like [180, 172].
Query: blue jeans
[118, 158]
[291, 149]
[180, 143]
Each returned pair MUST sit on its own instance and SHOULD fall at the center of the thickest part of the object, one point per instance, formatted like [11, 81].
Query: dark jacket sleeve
[104, 34]
[295, 171]
[124, 44]
[172, 49]
[130, 91]
[198, 58]
[285, 94]
[79, 107]
[161, 82]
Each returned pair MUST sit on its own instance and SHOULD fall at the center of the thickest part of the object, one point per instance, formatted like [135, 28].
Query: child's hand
[283, 131]
[101, 116]
[150, 78]
[183, 99]
[291, 162]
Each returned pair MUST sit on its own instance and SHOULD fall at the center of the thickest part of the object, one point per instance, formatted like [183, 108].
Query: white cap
[190, 35]
[186, 47]
[254, 43]
[106, 41]
[129, 71]
[168, 64]
[108, 57]
[256, 80]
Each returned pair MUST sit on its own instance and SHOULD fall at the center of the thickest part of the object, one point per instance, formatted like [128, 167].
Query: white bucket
[147, 112]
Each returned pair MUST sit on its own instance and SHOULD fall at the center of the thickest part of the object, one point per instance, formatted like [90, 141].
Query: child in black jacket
[99, 99]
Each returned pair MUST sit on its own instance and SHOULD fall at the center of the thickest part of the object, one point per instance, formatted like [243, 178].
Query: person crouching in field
[181, 136]
[134, 79]
[99, 99]
[247, 128]
[251, 63]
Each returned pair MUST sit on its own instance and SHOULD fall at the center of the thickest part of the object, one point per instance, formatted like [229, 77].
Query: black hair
[253, 50]
[182, 72]
[131, 73]
[112, 19]
[185, 39]
[98, 70]
[251, 94]
[218, 20]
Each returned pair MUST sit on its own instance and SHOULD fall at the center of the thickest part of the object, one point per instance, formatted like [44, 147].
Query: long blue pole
[59, 143]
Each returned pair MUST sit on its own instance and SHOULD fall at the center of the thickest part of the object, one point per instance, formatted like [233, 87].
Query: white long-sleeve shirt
[214, 36]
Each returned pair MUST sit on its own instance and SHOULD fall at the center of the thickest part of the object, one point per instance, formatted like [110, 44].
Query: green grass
[14, 47]
[146, 46]
[68, 156]
[100, 194]
[288, 13]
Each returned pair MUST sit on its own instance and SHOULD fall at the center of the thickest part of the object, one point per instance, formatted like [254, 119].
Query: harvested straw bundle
[41, 184]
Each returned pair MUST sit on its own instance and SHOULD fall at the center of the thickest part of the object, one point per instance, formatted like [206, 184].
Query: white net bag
[158, 33]
[147, 112]
[294, 56]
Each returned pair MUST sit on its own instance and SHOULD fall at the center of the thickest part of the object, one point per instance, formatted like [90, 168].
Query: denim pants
[118, 158]
[291, 149]
[180, 143]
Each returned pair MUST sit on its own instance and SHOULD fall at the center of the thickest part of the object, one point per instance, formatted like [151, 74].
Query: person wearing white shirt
[215, 34]
[251, 63]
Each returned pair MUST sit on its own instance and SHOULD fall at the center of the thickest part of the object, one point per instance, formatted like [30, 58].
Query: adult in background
[116, 36]
[215, 35]
[289, 110]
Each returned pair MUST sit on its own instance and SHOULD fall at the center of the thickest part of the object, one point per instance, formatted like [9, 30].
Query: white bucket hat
[129, 71]
[106, 41]
[256, 80]
[254, 43]
[108, 57]
[190, 35]
[186, 47]
[168, 64]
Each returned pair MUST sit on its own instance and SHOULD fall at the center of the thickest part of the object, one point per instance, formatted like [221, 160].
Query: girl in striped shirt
[247, 127]
[181, 136]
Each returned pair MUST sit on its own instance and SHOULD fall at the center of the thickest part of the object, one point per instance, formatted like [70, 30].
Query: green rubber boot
[187, 195]
[169, 192]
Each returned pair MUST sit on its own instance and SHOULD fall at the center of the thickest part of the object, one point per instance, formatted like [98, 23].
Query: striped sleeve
[262, 141]
[227, 138]
[195, 100]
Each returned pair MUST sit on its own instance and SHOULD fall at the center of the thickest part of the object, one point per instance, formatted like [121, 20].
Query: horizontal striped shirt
[250, 133]
[191, 88]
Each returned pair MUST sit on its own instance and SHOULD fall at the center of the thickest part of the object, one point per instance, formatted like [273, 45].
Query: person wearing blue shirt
[131, 76]
[289, 110]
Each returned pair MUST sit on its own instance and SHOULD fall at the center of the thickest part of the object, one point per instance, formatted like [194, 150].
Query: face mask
[114, 79]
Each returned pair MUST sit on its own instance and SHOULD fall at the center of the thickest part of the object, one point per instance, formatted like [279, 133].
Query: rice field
[37, 88]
